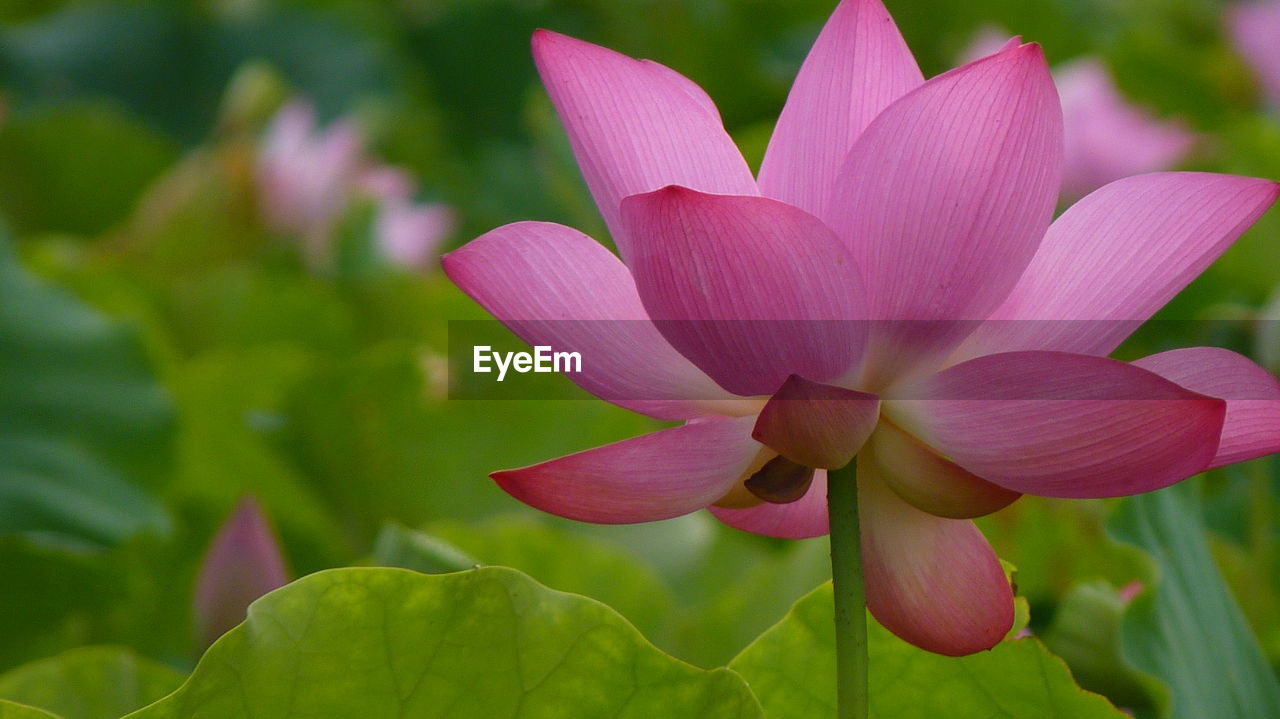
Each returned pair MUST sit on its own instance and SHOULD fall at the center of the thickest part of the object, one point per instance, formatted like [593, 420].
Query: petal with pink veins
[750, 289]
[554, 286]
[636, 126]
[934, 582]
[1252, 426]
[929, 482]
[801, 519]
[817, 425]
[858, 65]
[643, 479]
[1113, 259]
[943, 201]
[1062, 425]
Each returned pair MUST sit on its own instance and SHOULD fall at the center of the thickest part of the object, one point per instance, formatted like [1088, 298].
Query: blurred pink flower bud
[243, 563]
[1255, 29]
[387, 184]
[1130, 591]
[410, 234]
[305, 175]
[309, 178]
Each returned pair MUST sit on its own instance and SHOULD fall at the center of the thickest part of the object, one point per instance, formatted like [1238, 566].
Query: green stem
[850, 598]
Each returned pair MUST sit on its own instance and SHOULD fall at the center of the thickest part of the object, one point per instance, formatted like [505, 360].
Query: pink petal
[636, 126]
[1116, 257]
[817, 425]
[555, 286]
[944, 199]
[243, 563]
[1106, 136]
[929, 482]
[751, 289]
[409, 234]
[1254, 26]
[934, 582]
[802, 519]
[1062, 425]
[858, 65]
[1252, 425]
[643, 479]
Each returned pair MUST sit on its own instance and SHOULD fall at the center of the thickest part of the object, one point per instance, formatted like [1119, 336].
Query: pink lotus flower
[891, 271]
[306, 175]
[310, 178]
[1255, 28]
[242, 564]
[1106, 137]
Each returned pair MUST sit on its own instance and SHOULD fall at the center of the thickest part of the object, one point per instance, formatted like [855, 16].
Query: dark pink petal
[1062, 425]
[1119, 255]
[934, 582]
[944, 198]
[243, 563]
[1252, 426]
[751, 289]
[636, 126]
[929, 482]
[655, 476]
[554, 286]
[858, 65]
[802, 519]
[817, 425]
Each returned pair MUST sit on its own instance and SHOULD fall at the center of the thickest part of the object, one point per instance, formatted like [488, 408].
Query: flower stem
[850, 598]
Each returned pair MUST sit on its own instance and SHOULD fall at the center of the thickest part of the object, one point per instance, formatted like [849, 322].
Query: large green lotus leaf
[1187, 630]
[483, 643]
[90, 683]
[84, 427]
[11, 710]
[560, 560]
[791, 668]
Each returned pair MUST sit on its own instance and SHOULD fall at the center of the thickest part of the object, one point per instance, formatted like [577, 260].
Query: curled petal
[636, 126]
[817, 425]
[555, 286]
[1252, 425]
[801, 519]
[1113, 259]
[1062, 425]
[929, 482]
[643, 479]
[858, 65]
[751, 289]
[934, 582]
[943, 201]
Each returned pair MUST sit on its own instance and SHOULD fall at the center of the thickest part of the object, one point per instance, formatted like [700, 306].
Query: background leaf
[487, 642]
[83, 425]
[90, 683]
[1188, 631]
[791, 668]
